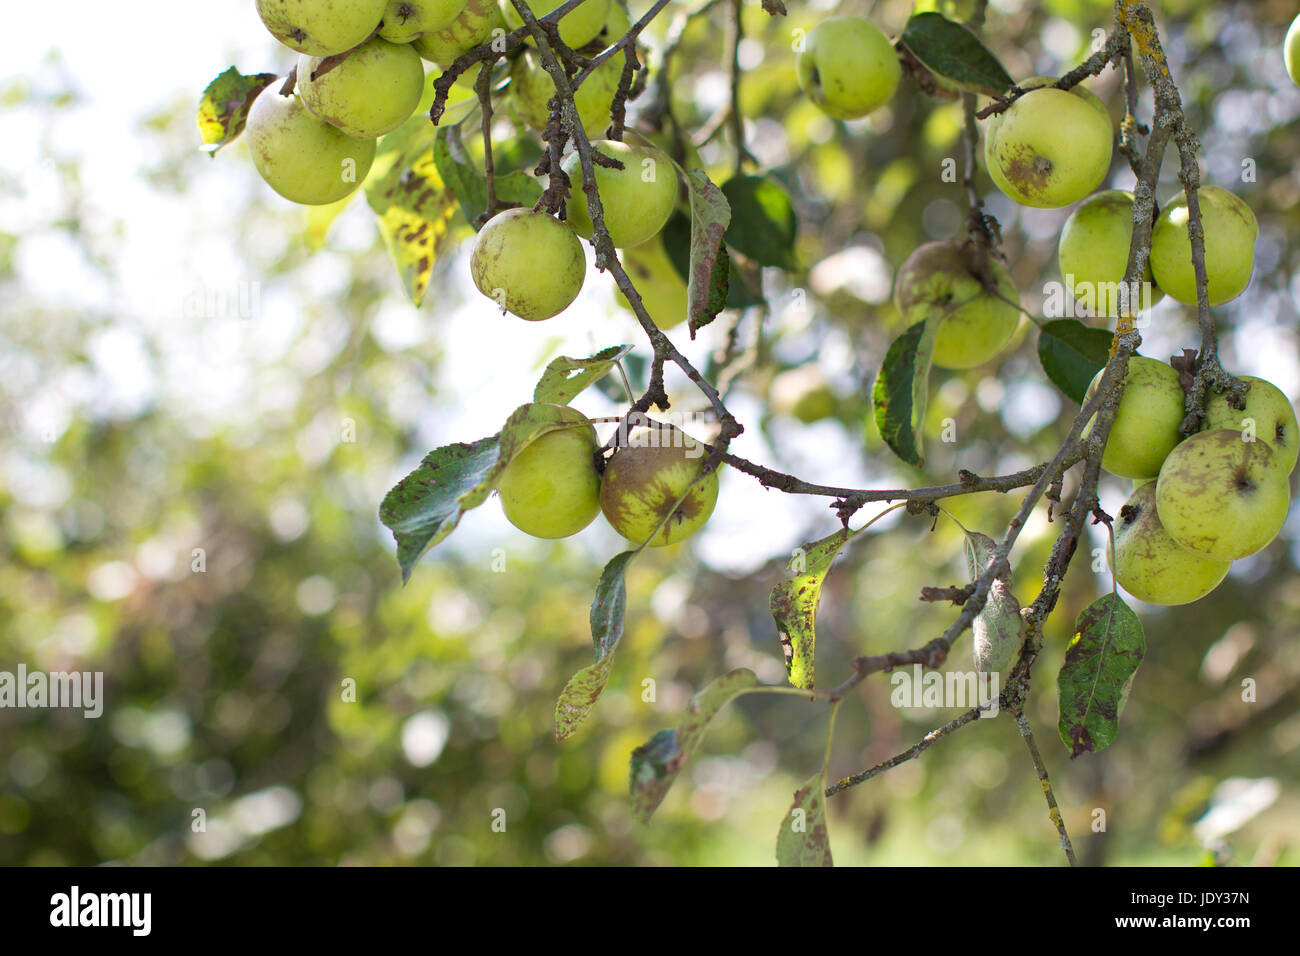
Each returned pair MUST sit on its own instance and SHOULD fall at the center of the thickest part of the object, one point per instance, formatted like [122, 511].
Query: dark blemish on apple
[1029, 169]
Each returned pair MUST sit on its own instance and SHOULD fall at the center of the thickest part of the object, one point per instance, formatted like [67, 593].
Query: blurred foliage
[142, 442]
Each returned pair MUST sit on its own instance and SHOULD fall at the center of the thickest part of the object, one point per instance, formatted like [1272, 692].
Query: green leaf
[656, 763]
[413, 203]
[1071, 354]
[762, 220]
[1100, 664]
[425, 506]
[468, 183]
[998, 629]
[794, 604]
[900, 392]
[224, 106]
[565, 377]
[954, 54]
[607, 610]
[708, 274]
[804, 839]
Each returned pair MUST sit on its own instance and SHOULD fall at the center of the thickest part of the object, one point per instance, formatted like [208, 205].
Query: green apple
[404, 20]
[661, 287]
[370, 91]
[301, 157]
[643, 481]
[473, 27]
[529, 263]
[802, 393]
[1221, 496]
[578, 27]
[532, 87]
[847, 67]
[637, 199]
[321, 27]
[941, 278]
[1230, 233]
[1050, 147]
[1268, 416]
[616, 25]
[1147, 422]
[1152, 566]
[551, 488]
[990, 132]
[1093, 256]
[1291, 51]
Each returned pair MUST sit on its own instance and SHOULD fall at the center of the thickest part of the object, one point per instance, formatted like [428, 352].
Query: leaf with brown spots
[794, 604]
[804, 839]
[1100, 664]
[656, 763]
[709, 275]
[425, 506]
[224, 106]
[413, 204]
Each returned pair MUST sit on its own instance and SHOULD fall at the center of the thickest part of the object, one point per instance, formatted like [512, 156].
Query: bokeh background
[188, 362]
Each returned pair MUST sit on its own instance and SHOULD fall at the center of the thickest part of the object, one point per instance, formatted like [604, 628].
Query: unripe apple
[303, 158]
[990, 132]
[529, 263]
[473, 27]
[942, 278]
[1268, 417]
[1050, 147]
[1147, 422]
[532, 87]
[847, 67]
[1291, 51]
[321, 27]
[578, 27]
[1093, 256]
[404, 20]
[551, 488]
[1223, 497]
[643, 481]
[661, 287]
[1230, 233]
[1152, 566]
[373, 90]
[637, 199]
[802, 393]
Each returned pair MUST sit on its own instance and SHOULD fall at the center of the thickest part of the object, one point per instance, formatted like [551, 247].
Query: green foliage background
[224, 687]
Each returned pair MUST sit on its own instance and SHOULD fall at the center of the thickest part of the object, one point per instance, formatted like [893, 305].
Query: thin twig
[1053, 810]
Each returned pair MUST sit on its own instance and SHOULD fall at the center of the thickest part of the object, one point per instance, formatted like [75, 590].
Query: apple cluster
[553, 487]
[532, 265]
[1200, 502]
[358, 76]
[1053, 147]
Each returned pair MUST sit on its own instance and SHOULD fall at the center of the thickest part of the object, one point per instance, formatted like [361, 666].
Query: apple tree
[538, 137]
